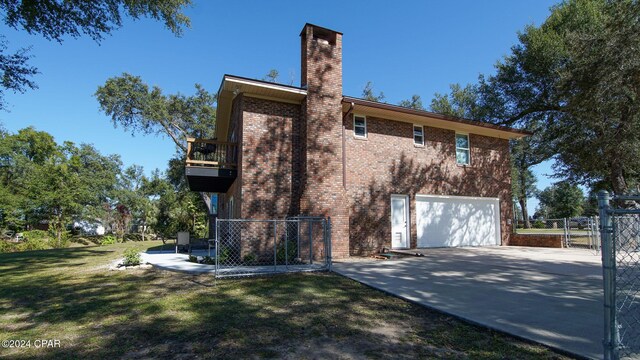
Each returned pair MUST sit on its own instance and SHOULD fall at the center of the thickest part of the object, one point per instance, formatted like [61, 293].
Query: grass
[69, 295]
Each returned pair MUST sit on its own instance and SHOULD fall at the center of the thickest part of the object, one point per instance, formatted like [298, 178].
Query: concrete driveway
[551, 296]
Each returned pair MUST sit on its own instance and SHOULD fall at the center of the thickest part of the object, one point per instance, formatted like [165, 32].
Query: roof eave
[394, 112]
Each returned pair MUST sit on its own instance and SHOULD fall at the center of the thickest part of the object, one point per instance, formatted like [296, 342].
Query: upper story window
[418, 135]
[360, 126]
[463, 156]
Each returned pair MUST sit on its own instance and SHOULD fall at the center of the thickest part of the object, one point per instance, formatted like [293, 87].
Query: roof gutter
[344, 147]
[517, 133]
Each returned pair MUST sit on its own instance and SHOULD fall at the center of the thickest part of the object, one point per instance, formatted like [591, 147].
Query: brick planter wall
[536, 240]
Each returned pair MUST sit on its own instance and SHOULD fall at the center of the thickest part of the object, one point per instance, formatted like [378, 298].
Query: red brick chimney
[322, 191]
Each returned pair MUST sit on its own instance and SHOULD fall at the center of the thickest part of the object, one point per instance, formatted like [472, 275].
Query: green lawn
[69, 295]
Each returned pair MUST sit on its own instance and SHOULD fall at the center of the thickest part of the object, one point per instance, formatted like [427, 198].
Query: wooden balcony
[211, 165]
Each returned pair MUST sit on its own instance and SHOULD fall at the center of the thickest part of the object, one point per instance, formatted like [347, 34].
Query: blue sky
[404, 48]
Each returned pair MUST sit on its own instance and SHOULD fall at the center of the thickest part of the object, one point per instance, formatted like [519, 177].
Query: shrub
[35, 240]
[131, 257]
[249, 258]
[538, 224]
[193, 259]
[287, 254]
[108, 240]
[133, 237]
[6, 246]
[223, 254]
[209, 260]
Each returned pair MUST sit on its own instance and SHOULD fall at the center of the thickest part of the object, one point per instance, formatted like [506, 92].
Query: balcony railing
[211, 153]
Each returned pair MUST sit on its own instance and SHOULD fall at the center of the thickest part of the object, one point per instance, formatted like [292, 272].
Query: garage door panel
[457, 221]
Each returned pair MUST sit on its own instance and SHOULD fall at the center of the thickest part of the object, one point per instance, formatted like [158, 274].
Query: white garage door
[445, 221]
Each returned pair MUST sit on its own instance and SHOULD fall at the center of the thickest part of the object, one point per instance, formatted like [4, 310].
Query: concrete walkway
[550, 296]
[169, 260]
[176, 262]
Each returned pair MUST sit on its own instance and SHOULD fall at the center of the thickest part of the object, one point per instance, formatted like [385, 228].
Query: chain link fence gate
[620, 236]
[583, 232]
[247, 247]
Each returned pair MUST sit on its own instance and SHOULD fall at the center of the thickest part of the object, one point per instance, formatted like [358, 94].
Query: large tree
[575, 82]
[460, 102]
[56, 19]
[48, 182]
[599, 83]
[576, 79]
[414, 103]
[561, 200]
[136, 107]
[369, 94]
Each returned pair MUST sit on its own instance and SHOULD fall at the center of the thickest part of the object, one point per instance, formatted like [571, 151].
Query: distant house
[89, 228]
[387, 176]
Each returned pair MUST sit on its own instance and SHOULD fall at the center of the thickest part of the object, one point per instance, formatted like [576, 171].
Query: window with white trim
[359, 126]
[463, 155]
[418, 135]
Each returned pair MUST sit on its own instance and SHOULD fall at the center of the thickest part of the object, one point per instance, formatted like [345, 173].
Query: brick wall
[536, 240]
[388, 162]
[267, 152]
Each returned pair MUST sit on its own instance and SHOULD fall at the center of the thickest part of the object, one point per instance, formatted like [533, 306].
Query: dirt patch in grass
[69, 295]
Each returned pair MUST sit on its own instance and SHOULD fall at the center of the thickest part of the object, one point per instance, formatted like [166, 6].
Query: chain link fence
[578, 232]
[583, 232]
[542, 226]
[245, 247]
[620, 234]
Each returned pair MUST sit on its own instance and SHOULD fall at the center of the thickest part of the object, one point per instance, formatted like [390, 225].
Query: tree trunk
[206, 197]
[618, 181]
[525, 213]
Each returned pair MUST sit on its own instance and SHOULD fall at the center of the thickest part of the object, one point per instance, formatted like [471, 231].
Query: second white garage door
[446, 221]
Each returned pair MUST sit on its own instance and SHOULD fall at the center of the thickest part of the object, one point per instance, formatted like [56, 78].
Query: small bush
[35, 240]
[223, 254]
[6, 246]
[193, 259]
[35, 234]
[538, 224]
[249, 258]
[108, 240]
[131, 257]
[288, 254]
[133, 237]
[209, 260]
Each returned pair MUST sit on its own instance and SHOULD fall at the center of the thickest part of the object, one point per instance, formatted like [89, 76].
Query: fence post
[217, 242]
[298, 238]
[275, 246]
[608, 276]
[328, 241]
[286, 247]
[567, 240]
[311, 241]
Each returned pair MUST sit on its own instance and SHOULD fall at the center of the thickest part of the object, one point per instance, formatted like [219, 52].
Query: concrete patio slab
[550, 296]
[175, 262]
[171, 261]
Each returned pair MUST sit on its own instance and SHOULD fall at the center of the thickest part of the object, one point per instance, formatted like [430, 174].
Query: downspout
[344, 147]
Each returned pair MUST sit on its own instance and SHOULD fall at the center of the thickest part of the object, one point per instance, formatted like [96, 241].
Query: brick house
[387, 176]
